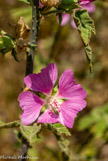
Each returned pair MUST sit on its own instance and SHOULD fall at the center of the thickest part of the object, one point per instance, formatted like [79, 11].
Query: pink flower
[85, 4]
[61, 107]
[40, 4]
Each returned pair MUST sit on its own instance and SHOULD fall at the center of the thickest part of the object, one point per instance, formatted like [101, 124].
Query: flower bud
[51, 3]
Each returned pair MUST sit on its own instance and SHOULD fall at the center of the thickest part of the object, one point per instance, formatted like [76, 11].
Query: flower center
[53, 104]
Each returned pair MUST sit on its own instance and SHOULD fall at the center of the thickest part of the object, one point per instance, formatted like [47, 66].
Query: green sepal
[69, 5]
[55, 90]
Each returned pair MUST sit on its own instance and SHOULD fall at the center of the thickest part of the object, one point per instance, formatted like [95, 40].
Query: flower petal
[81, 2]
[40, 4]
[44, 81]
[31, 105]
[65, 19]
[69, 110]
[90, 7]
[68, 89]
[48, 117]
[73, 23]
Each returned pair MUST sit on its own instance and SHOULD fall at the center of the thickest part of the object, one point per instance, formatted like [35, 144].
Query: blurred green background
[89, 140]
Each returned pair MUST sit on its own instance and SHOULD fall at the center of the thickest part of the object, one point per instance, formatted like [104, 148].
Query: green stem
[10, 124]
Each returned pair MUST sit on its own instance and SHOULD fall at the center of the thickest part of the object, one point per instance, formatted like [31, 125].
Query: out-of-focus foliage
[26, 1]
[96, 122]
[24, 12]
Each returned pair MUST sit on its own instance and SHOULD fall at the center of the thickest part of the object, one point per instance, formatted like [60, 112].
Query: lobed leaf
[58, 129]
[85, 26]
[30, 132]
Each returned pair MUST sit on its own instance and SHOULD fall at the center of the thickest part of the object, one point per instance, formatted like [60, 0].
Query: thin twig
[52, 12]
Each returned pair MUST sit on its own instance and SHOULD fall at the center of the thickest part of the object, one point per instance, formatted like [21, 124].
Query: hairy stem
[10, 124]
[24, 149]
[30, 58]
[33, 37]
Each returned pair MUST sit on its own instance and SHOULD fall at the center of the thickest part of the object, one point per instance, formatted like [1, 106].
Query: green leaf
[6, 44]
[61, 129]
[58, 129]
[25, 1]
[88, 52]
[85, 26]
[30, 132]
